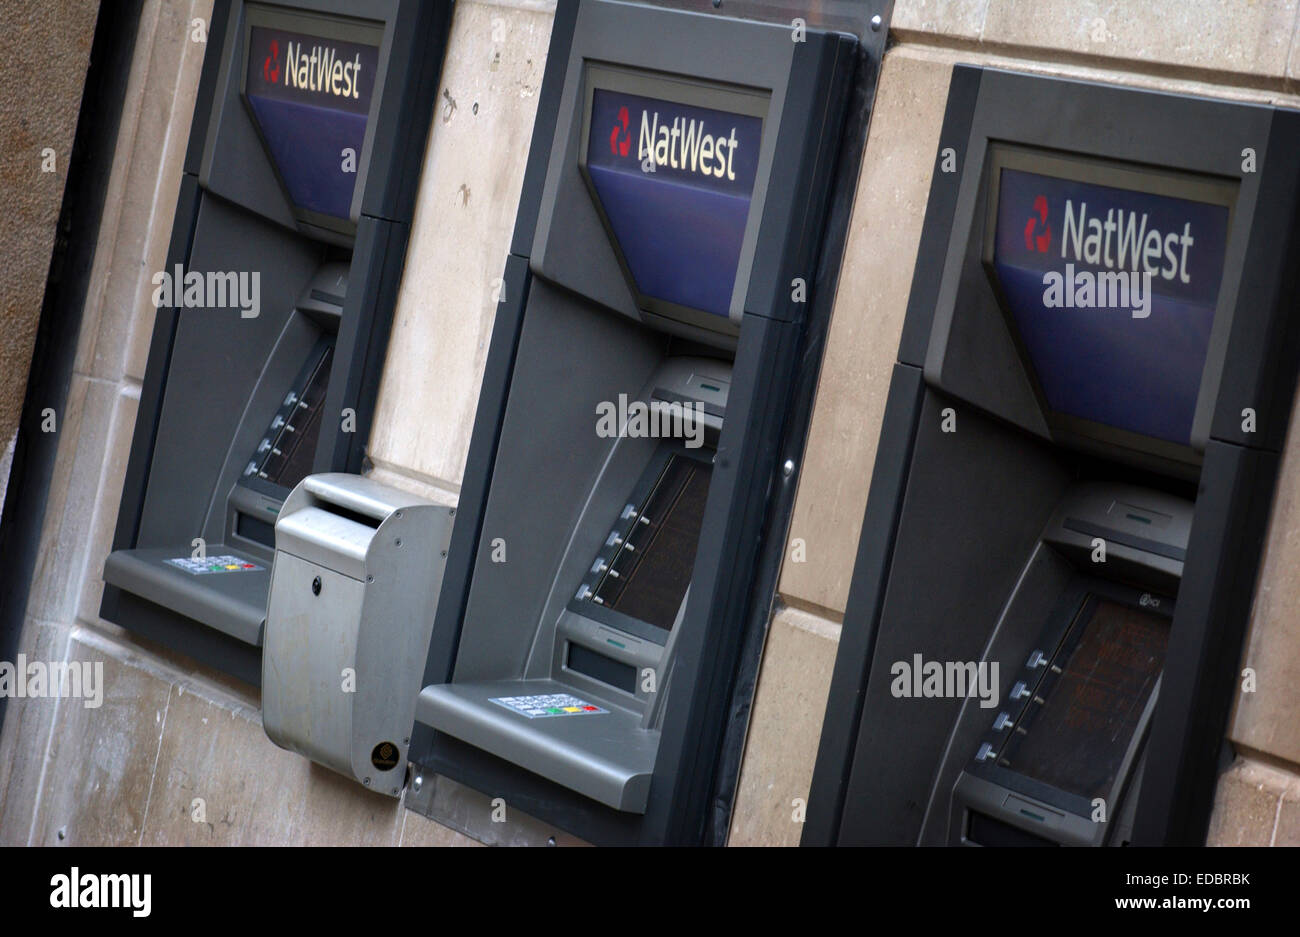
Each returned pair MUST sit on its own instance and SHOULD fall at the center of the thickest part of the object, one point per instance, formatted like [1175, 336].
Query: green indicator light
[616, 643]
[1033, 816]
[716, 390]
[1138, 518]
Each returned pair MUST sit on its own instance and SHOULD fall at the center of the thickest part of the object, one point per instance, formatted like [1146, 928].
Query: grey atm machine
[274, 307]
[626, 439]
[1078, 454]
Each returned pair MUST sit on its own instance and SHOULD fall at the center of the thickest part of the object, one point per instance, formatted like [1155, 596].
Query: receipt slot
[274, 306]
[355, 579]
[629, 428]
[1074, 474]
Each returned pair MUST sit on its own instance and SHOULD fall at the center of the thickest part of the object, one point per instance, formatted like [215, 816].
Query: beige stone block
[464, 217]
[142, 191]
[103, 324]
[1287, 831]
[221, 781]
[1265, 720]
[108, 490]
[784, 729]
[99, 769]
[83, 429]
[1246, 803]
[421, 487]
[1235, 38]
[26, 733]
[421, 831]
[951, 18]
[179, 64]
[867, 322]
[1293, 59]
[487, 819]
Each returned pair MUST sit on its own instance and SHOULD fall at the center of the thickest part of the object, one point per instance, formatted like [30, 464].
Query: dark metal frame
[1239, 469]
[718, 657]
[1074, 430]
[327, 26]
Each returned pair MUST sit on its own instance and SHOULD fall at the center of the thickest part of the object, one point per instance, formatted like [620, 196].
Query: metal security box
[358, 567]
[1074, 473]
[274, 307]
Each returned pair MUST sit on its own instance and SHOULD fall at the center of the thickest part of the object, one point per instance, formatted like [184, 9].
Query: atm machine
[1074, 474]
[642, 362]
[275, 305]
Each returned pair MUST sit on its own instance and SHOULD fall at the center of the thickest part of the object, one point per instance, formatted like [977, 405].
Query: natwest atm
[600, 582]
[1074, 474]
[274, 307]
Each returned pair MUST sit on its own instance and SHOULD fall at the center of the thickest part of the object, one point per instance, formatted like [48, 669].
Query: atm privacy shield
[675, 182]
[1113, 292]
[310, 98]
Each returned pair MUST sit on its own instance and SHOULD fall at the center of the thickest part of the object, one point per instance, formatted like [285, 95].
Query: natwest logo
[687, 145]
[1038, 233]
[1125, 240]
[620, 138]
[271, 67]
[322, 70]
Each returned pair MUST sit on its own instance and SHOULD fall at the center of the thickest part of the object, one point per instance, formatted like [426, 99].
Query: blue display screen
[311, 98]
[1113, 292]
[675, 182]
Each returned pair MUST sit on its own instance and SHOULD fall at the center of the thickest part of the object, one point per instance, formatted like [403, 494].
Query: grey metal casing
[358, 568]
[610, 757]
[1144, 553]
